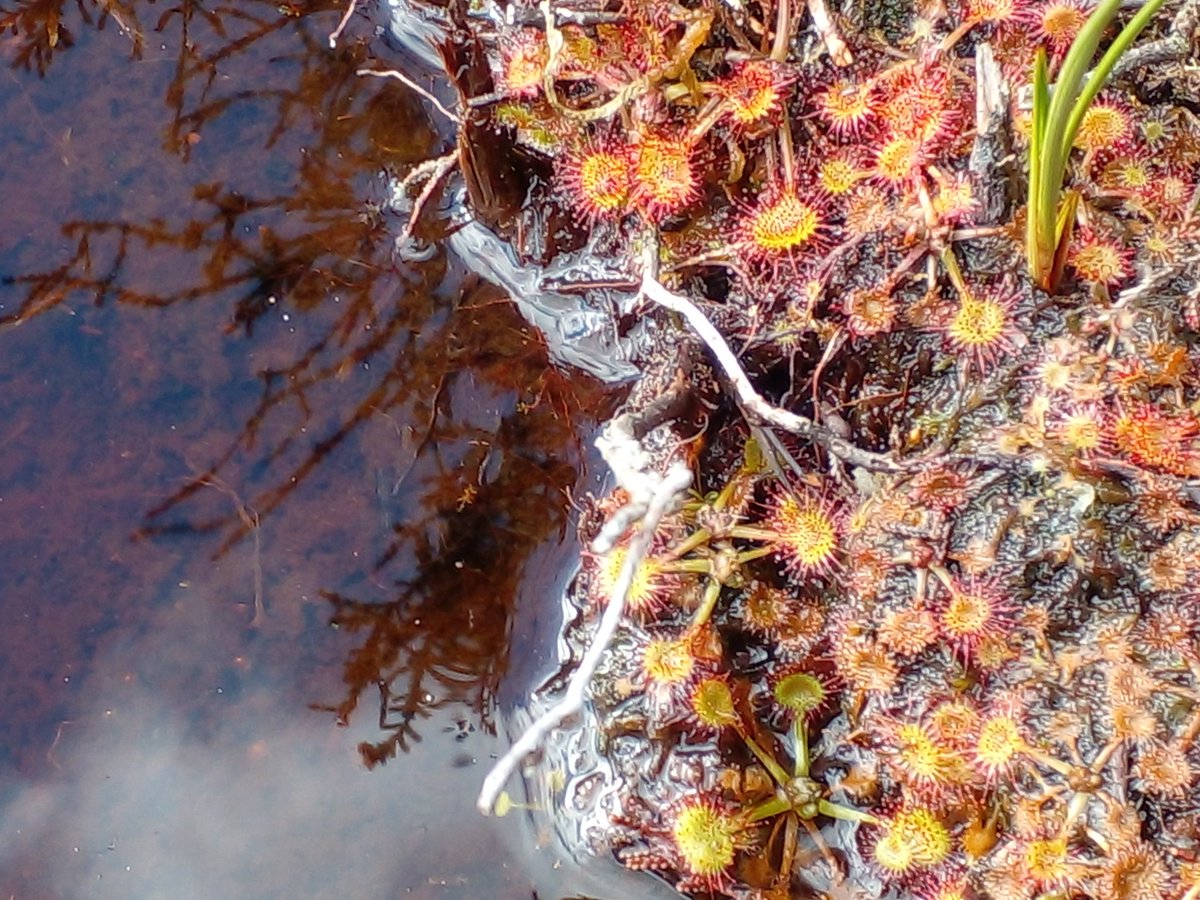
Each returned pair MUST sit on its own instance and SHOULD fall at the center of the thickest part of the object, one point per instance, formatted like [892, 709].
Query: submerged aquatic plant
[1057, 118]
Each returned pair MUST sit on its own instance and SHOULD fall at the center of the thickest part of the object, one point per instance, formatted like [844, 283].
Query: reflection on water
[186, 772]
[227, 161]
[266, 500]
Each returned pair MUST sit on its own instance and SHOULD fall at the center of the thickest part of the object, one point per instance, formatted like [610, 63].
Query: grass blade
[1034, 212]
[1104, 68]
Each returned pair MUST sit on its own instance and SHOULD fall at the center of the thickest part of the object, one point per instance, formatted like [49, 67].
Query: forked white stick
[408, 82]
[751, 401]
[673, 483]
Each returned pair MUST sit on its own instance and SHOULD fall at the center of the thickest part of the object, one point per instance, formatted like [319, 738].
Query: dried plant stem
[432, 171]
[783, 31]
[839, 51]
[669, 487]
[341, 26]
[752, 403]
[697, 26]
[408, 82]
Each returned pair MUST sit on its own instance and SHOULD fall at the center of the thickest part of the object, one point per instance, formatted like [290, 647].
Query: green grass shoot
[1057, 115]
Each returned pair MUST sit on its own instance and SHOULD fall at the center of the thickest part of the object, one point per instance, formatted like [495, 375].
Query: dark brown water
[267, 498]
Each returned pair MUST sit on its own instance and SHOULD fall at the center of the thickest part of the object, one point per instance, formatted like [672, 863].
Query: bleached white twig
[432, 171]
[404, 79]
[751, 401]
[337, 32]
[632, 466]
[672, 484]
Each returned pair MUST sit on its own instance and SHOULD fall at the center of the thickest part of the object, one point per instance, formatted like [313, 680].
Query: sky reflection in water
[259, 800]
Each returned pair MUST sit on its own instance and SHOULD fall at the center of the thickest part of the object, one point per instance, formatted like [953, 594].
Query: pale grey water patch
[186, 771]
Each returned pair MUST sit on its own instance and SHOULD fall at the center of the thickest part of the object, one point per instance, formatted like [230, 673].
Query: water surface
[267, 498]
